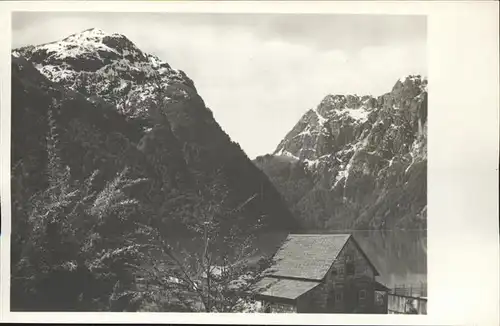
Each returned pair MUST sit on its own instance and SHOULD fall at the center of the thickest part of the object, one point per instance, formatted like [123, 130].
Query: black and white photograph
[219, 163]
[198, 162]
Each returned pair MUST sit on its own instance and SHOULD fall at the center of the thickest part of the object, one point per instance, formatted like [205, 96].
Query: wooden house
[322, 273]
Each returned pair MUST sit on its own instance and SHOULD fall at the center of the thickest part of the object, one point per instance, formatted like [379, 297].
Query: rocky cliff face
[357, 161]
[115, 106]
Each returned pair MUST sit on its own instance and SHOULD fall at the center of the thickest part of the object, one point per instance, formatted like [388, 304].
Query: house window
[338, 297]
[362, 294]
[349, 268]
[340, 270]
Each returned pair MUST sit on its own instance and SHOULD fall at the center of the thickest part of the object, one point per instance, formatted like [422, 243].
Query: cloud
[260, 73]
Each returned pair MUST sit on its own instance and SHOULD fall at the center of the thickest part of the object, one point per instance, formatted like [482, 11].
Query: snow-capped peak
[92, 35]
[96, 63]
[90, 44]
[340, 121]
[75, 46]
[87, 34]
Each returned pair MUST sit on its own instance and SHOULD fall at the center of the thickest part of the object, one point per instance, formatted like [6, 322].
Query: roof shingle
[307, 256]
[284, 288]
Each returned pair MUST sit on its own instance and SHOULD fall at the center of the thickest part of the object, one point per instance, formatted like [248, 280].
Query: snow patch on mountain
[56, 74]
[359, 114]
[283, 152]
[76, 45]
[311, 164]
[321, 120]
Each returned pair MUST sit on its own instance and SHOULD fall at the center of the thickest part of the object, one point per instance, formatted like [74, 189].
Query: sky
[259, 73]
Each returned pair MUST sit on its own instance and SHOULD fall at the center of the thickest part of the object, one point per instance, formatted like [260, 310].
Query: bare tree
[218, 274]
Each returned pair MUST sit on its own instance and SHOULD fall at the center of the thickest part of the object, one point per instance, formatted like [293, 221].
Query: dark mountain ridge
[116, 106]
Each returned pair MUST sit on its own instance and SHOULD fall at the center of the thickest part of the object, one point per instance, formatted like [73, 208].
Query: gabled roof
[284, 288]
[309, 256]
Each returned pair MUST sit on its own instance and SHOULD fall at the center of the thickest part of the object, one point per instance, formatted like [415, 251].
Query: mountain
[357, 161]
[115, 106]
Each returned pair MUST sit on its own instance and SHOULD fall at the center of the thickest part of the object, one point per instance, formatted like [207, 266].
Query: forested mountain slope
[109, 143]
[357, 161]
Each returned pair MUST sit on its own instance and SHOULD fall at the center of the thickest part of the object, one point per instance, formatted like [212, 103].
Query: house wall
[339, 292]
[275, 307]
[313, 301]
[350, 253]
